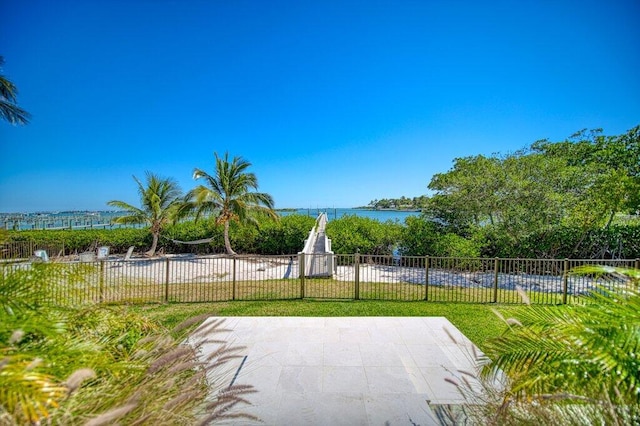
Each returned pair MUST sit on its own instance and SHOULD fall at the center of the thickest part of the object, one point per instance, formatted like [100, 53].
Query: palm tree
[160, 199]
[8, 108]
[228, 195]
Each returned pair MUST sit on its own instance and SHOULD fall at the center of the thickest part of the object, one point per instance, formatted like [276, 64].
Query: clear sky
[335, 103]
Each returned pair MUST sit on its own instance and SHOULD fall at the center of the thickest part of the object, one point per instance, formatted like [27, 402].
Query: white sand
[191, 268]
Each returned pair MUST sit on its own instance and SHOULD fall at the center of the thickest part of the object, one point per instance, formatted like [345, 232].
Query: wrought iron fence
[189, 278]
[17, 250]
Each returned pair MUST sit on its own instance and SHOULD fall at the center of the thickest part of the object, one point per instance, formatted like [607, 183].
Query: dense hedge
[421, 236]
[418, 236]
[618, 242]
[285, 236]
[78, 241]
[351, 234]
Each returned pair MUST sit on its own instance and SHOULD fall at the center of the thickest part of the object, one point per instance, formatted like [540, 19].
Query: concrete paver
[347, 370]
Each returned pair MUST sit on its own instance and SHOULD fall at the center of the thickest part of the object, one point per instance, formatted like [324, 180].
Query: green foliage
[230, 195]
[422, 236]
[159, 200]
[80, 240]
[9, 109]
[584, 354]
[285, 236]
[617, 241]
[453, 245]
[351, 234]
[577, 185]
[265, 236]
[109, 364]
[402, 203]
[419, 236]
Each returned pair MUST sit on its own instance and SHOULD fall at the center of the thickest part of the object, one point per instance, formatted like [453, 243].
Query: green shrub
[351, 234]
[70, 365]
[193, 231]
[557, 242]
[419, 236]
[285, 236]
[452, 245]
[80, 240]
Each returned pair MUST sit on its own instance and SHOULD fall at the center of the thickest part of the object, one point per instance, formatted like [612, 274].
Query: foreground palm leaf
[581, 353]
[9, 111]
[26, 395]
[91, 364]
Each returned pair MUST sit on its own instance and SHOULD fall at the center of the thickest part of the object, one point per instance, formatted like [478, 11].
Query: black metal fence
[189, 278]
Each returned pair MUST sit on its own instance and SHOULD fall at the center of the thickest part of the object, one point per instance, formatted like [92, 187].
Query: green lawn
[476, 321]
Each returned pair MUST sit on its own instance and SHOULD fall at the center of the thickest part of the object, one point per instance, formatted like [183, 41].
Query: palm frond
[13, 113]
[229, 194]
[9, 111]
[578, 349]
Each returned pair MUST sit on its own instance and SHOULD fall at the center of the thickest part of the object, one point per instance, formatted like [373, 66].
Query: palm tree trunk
[154, 244]
[227, 242]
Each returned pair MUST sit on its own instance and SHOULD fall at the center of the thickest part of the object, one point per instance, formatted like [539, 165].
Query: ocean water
[104, 219]
[60, 220]
[336, 213]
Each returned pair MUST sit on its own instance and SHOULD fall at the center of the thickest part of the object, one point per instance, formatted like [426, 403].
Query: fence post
[166, 280]
[426, 278]
[565, 281]
[233, 288]
[101, 285]
[301, 273]
[356, 264]
[496, 268]
[637, 266]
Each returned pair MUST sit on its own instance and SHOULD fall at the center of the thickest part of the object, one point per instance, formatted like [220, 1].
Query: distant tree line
[577, 198]
[402, 203]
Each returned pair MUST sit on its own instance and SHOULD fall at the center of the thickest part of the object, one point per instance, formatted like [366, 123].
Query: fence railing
[189, 278]
[25, 249]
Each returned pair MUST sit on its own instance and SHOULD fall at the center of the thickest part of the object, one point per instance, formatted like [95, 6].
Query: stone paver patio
[346, 370]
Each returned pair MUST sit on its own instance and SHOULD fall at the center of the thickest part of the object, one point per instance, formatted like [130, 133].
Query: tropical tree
[9, 111]
[159, 199]
[613, 169]
[230, 194]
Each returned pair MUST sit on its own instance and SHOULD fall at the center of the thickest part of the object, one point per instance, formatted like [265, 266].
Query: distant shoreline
[41, 213]
[386, 209]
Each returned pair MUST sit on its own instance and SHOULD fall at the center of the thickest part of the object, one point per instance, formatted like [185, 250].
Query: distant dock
[58, 221]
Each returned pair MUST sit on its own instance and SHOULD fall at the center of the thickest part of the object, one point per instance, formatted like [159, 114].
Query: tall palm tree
[159, 200]
[228, 195]
[9, 111]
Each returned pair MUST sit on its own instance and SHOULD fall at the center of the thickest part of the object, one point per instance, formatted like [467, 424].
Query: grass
[476, 321]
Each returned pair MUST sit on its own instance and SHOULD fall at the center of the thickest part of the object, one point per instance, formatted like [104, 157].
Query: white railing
[319, 259]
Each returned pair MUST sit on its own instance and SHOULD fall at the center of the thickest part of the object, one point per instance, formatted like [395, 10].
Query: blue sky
[335, 103]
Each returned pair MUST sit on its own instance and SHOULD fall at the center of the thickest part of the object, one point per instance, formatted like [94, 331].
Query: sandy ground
[191, 268]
